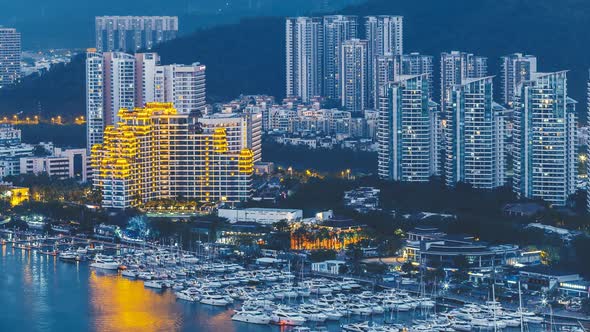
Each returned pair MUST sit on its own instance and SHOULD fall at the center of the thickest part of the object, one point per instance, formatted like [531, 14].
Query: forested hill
[249, 57]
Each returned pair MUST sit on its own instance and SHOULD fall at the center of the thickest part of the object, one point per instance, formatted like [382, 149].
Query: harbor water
[41, 293]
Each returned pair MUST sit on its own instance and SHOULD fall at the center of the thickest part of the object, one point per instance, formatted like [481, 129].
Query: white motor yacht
[214, 299]
[129, 274]
[105, 263]
[157, 284]
[286, 317]
[251, 316]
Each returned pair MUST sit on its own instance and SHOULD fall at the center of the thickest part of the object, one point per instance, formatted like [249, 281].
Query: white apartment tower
[418, 64]
[119, 84]
[304, 56]
[545, 122]
[455, 67]
[145, 71]
[516, 69]
[336, 30]
[472, 141]
[182, 85]
[406, 137]
[353, 71]
[133, 33]
[384, 35]
[10, 56]
[95, 121]
[384, 71]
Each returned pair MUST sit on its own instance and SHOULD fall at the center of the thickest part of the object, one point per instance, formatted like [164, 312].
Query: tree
[322, 255]
[40, 151]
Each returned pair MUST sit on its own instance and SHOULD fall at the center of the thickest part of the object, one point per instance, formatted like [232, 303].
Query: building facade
[146, 65]
[11, 150]
[354, 63]
[384, 36]
[62, 163]
[182, 85]
[304, 57]
[418, 64]
[336, 30]
[10, 56]
[472, 140]
[455, 67]
[243, 130]
[516, 69]
[384, 70]
[133, 33]
[156, 153]
[119, 84]
[405, 134]
[545, 142]
[116, 80]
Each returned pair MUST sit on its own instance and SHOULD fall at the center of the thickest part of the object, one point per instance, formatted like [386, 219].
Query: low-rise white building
[260, 215]
[63, 163]
[330, 266]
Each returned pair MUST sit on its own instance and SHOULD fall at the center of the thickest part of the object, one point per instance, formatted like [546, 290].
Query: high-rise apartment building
[545, 120]
[418, 64]
[119, 84]
[146, 65]
[95, 117]
[353, 70]
[516, 69]
[183, 85]
[336, 30]
[384, 71]
[243, 130]
[406, 137]
[156, 153]
[454, 68]
[133, 33]
[116, 80]
[10, 56]
[473, 143]
[304, 57]
[384, 35]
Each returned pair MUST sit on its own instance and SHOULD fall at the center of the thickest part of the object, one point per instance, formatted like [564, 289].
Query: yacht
[68, 256]
[214, 299]
[312, 314]
[157, 284]
[189, 259]
[251, 316]
[286, 317]
[356, 327]
[461, 326]
[359, 309]
[105, 263]
[129, 274]
[187, 295]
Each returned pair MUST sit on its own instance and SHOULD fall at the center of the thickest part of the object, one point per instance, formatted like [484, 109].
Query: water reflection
[119, 304]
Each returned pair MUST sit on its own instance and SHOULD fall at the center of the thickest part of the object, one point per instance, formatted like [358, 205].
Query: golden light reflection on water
[124, 305]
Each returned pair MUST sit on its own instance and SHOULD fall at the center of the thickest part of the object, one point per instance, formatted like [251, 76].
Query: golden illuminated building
[14, 195]
[320, 237]
[155, 153]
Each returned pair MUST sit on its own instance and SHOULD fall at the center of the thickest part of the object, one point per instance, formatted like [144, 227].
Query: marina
[156, 288]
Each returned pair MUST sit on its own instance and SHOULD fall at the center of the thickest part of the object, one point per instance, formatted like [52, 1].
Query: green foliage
[323, 160]
[47, 189]
[322, 255]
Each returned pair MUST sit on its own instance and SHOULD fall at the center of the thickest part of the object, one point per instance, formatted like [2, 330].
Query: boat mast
[520, 307]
